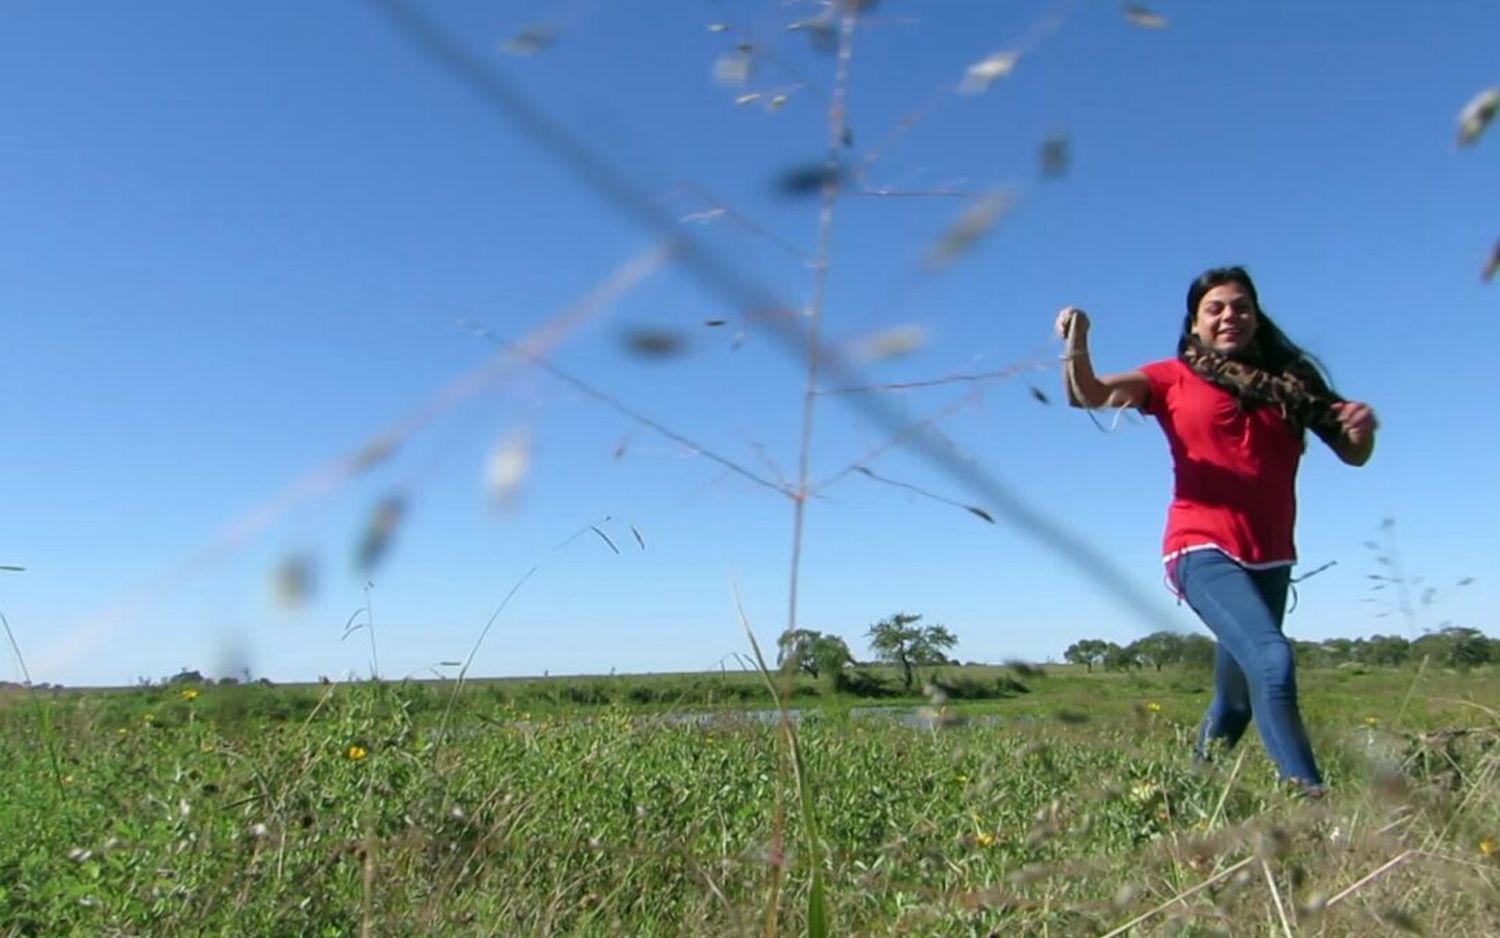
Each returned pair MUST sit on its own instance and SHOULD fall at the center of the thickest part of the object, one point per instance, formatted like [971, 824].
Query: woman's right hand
[1072, 324]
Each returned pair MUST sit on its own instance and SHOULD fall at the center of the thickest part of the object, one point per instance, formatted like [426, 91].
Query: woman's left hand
[1357, 419]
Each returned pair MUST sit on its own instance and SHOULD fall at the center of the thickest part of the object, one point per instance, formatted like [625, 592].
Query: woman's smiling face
[1226, 319]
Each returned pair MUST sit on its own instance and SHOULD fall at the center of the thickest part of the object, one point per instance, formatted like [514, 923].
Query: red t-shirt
[1235, 469]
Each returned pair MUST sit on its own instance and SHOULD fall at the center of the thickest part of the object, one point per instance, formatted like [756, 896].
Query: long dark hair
[1270, 349]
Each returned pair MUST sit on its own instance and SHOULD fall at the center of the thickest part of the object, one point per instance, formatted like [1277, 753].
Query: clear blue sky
[239, 241]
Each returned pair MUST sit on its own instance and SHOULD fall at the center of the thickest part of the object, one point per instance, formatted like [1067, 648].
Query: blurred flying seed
[374, 452]
[846, 136]
[748, 98]
[1040, 396]
[980, 512]
[1055, 156]
[718, 27]
[889, 343]
[808, 179]
[379, 532]
[964, 233]
[738, 340]
[1273, 842]
[732, 69]
[296, 579]
[1491, 265]
[1477, 114]
[506, 467]
[708, 214]
[821, 31]
[714, 322]
[1401, 920]
[1389, 784]
[996, 65]
[529, 40]
[638, 539]
[776, 103]
[1465, 581]
[1142, 17]
[1040, 835]
[654, 343]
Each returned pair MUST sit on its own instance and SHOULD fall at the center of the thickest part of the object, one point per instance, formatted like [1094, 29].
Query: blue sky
[240, 242]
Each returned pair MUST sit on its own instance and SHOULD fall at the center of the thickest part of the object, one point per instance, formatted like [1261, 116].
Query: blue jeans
[1253, 669]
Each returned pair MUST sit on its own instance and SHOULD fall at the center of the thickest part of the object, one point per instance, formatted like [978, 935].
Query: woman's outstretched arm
[1083, 387]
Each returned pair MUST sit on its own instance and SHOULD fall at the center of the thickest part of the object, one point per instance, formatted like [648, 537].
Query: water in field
[917, 717]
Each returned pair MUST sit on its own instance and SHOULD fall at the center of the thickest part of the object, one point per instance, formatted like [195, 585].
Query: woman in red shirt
[1234, 404]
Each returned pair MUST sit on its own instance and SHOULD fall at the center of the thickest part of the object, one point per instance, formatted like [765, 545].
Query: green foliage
[863, 682]
[177, 814]
[1087, 652]
[902, 642]
[963, 687]
[1120, 659]
[813, 652]
[1158, 649]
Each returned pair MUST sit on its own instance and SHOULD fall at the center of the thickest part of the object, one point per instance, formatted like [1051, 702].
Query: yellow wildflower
[1372, 721]
[123, 731]
[356, 752]
[1153, 707]
[985, 839]
[1487, 847]
[961, 778]
[189, 693]
[67, 779]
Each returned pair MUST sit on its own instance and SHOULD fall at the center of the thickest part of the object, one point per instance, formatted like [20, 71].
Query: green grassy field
[1065, 806]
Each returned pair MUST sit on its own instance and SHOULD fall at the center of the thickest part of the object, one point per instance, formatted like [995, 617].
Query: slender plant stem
[821, 264]
[1370, 877]
[370, 627]
[1179, 897]
[1286, 926]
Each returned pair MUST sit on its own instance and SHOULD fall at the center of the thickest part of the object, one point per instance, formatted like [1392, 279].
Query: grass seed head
[1477, 114]
[529, 40]
[995, 65]
[1142, 17]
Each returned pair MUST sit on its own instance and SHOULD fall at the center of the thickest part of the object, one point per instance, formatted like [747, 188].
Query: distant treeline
[190, 696]
[1451, 647]
[815, 670]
